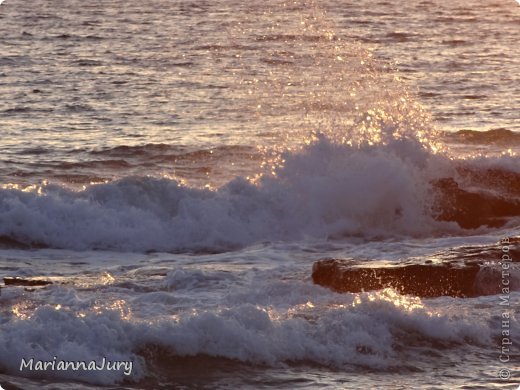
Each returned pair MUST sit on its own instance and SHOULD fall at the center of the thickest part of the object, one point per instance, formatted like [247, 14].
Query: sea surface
[175, 168]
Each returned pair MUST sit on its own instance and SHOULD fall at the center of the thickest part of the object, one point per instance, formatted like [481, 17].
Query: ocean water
[175, 168]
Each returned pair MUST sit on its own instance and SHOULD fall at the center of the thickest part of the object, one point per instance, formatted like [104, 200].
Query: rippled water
[82, 78]
[176, 167]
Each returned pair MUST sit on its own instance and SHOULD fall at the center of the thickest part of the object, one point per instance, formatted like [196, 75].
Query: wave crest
[325, 190]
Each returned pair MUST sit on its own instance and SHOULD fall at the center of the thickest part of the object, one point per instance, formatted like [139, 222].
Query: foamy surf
[248, 318]
[324, 190]
[166, 194]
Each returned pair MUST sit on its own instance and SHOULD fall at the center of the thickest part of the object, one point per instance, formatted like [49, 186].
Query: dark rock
[460, 272]
[8, 281]
[10, 243]
[7, 242]
[423, 280]
[471, 209]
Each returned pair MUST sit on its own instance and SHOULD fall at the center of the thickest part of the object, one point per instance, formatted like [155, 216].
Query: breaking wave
[382, 331]
[325, 190]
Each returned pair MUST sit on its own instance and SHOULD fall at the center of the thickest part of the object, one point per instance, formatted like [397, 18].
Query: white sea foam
[247, 306]
[325, 190]
[371, 329]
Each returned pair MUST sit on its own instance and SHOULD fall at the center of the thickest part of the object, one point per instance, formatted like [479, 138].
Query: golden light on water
[107, 279]
[404, 302]
[119, 306]
[22, 311]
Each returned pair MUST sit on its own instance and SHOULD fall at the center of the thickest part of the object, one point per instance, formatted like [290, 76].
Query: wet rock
[471, 209]
[423, 280]
[460, 272]
[10, 243]
[16, 281]
[7, 242]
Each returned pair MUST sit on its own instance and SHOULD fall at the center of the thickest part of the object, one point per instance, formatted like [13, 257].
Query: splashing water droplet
[312, 82]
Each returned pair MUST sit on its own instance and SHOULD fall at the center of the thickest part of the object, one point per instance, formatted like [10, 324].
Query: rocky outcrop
[16, 281]
[462, 272]
[471, 209]
[423, 280]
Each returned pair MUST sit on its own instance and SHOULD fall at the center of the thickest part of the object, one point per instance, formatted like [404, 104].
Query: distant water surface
[175, 168]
